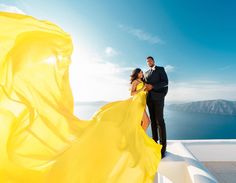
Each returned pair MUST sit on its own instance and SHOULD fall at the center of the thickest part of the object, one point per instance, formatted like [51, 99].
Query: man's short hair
[150, 57]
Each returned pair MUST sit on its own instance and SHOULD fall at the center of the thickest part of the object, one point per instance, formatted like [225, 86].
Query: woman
[42, 141]
[137, 85]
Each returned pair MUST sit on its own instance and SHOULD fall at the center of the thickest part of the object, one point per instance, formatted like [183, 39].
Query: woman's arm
[133, 88]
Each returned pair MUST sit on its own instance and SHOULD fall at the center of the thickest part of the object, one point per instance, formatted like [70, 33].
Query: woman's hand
[148, 87]
[144, 88]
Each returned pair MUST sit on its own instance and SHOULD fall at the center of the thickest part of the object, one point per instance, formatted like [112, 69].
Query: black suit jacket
[158, 78]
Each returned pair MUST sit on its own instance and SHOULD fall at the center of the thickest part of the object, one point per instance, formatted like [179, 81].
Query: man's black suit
[155, 102]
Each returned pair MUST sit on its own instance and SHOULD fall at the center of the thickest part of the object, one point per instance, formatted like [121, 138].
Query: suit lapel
[149, 72]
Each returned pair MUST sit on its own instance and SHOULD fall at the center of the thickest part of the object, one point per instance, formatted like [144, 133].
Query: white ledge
[183, 161]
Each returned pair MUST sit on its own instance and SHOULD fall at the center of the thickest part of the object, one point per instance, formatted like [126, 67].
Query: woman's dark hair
[134, 75]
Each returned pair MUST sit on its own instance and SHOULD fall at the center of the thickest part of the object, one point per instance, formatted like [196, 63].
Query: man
[157, 87]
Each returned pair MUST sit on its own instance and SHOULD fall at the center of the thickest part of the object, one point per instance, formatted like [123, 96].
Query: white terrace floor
[223, 171]
[198, 161]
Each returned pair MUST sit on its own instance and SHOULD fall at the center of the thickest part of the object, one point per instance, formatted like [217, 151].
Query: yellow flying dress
[41, 140]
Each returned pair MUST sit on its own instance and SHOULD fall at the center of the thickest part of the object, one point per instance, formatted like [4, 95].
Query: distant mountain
[223, 107]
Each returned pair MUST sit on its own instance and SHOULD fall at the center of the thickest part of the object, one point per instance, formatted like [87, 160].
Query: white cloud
[206, 82]
[12, 9]
[141, 35]
[109, 51]
[201, 90]
[169, 68]
[93, 78]
[227, 67]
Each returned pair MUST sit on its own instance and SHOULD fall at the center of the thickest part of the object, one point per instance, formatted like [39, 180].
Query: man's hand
[148, 87]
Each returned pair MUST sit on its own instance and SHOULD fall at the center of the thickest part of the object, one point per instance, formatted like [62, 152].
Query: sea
[180, 125]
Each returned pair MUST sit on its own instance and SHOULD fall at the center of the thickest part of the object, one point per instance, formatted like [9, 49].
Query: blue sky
[194, 40]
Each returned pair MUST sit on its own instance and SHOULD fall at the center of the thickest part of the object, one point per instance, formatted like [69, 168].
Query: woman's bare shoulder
[135, 82]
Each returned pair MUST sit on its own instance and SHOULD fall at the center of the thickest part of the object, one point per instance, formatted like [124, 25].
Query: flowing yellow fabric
[41, 141]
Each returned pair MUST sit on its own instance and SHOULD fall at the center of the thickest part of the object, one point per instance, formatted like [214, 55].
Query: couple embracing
[155, 83]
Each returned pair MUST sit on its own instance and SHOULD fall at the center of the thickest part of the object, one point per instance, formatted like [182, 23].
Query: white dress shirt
[153, 68]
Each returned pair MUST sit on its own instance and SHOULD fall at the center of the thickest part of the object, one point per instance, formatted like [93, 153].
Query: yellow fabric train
[41, 140]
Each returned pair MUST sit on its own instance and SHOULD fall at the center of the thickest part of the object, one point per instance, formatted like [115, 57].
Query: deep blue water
[183, 125]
